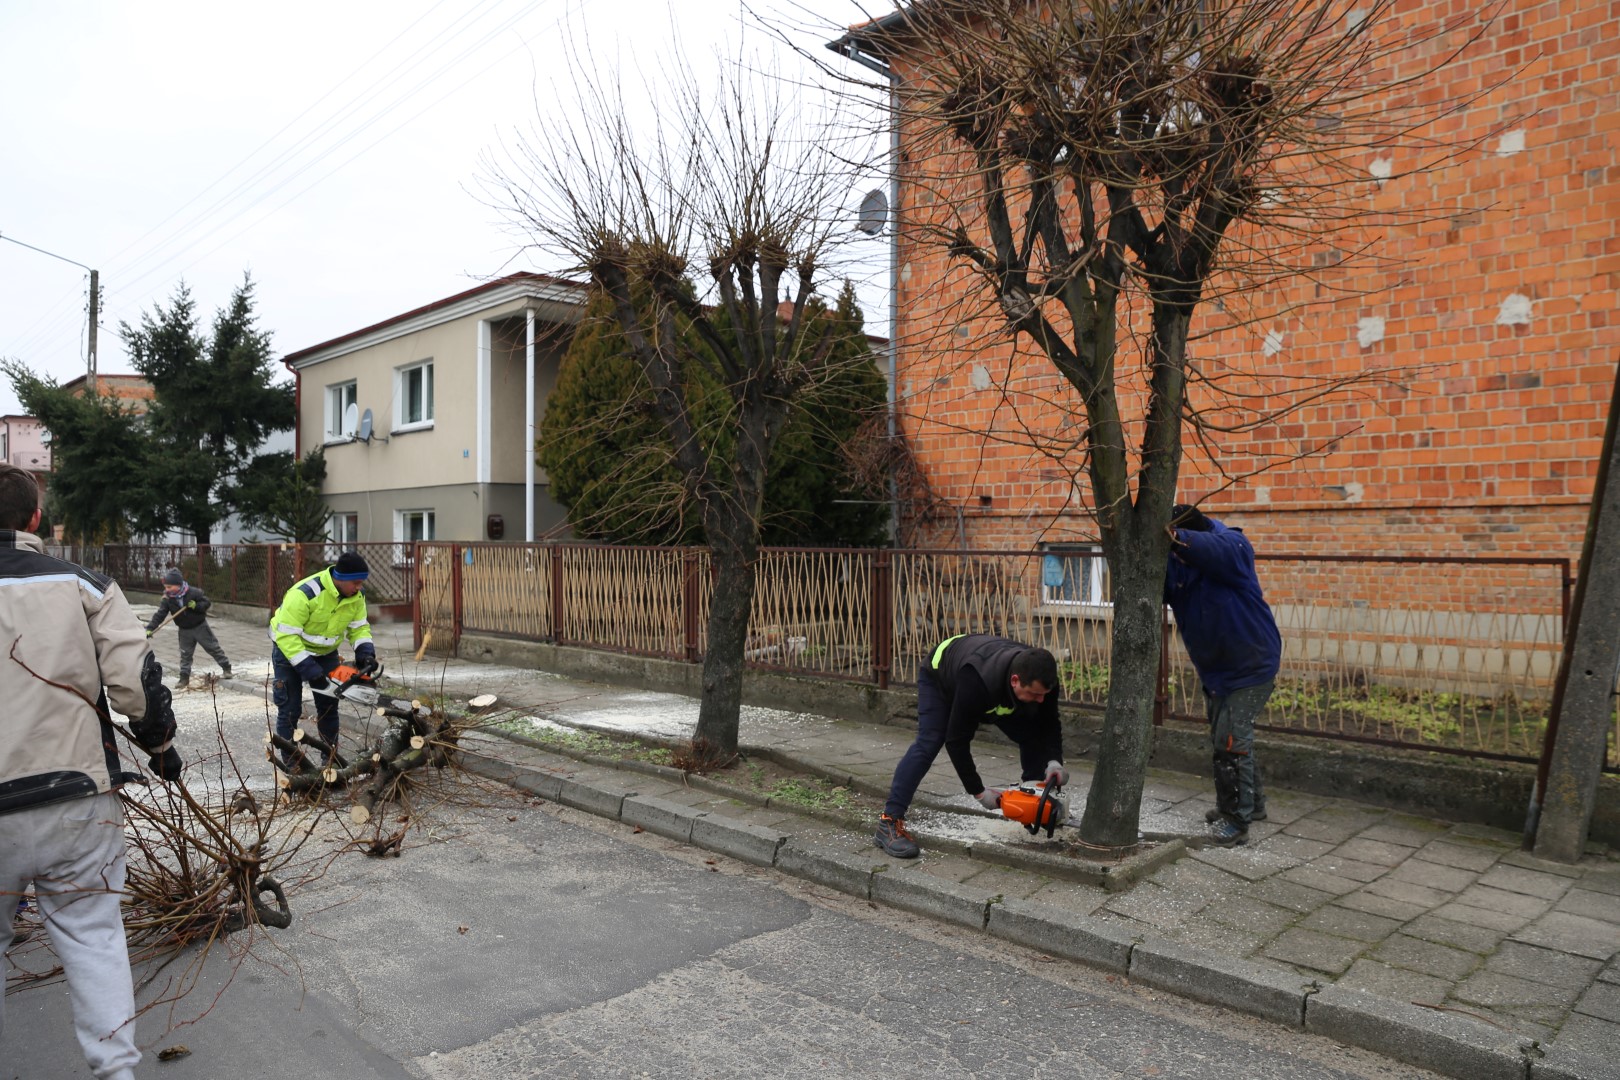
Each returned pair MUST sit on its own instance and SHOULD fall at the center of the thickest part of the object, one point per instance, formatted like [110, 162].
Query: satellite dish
[351, 417]
[874, 213]
[365, 426]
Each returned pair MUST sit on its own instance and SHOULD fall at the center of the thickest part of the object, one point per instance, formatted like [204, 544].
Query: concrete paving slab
[1363, 849]
[1433, 875]
[1321, 878]
[1416, 954]
[1395, 983]
[1348, 923]
[1543, 965]
[1409, 892]
[1248, 862]
[1292, 895]
[1546, 866]
[1518, 879]
[1316, 951]
[1340, 866]
[1373, 904]
[1572, 934]
[1405, 830]
[1249, 913]
[1594, 1037]
[1469, 936]
[1462, 856]
[1601, 1000]
[1492, 989]
[1486, 898]
[1593, 905]
[1503, 922]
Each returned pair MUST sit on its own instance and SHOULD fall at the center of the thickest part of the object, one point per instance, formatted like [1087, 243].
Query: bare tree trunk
[1113, 806]
[734, 553]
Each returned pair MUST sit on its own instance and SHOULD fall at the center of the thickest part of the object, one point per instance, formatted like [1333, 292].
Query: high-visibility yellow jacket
[314, 619]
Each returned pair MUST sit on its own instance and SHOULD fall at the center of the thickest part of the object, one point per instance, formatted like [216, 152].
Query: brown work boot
[183, 683]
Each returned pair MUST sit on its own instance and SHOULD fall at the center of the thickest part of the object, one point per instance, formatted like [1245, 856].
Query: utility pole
[95, 317]
[1583, 699]
[95, 304]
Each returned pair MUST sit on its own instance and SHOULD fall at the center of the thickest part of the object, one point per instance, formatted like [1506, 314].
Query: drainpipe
[528, 426]
[851, 50]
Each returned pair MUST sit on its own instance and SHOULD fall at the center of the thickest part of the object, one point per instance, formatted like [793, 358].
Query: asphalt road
[519, 939]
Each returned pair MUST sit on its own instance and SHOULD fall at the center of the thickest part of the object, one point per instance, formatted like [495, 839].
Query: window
[339, 399]
[413, 395]
[1076, 575]
[411, 525]
[342, 533]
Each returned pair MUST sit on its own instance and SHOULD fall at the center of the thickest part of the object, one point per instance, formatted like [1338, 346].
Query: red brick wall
[1500, 319]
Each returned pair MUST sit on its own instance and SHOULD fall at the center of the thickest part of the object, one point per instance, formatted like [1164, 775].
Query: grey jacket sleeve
[121, 649]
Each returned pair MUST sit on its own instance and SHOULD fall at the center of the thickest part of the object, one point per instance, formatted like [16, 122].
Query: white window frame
[340, 538]
[402, 518]
[337, 404]
[403, 421]
[1086, 583]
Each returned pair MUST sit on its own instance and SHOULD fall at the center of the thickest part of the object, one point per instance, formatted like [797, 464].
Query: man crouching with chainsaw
[316, 616]
[973, 679]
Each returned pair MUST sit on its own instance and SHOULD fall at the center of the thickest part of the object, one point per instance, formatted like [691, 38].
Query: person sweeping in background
[187, 607]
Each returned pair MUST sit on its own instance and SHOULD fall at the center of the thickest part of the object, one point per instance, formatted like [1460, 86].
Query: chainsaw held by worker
[347, 682]
[1035, 806]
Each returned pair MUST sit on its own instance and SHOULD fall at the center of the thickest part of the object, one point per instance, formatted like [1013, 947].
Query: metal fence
[1450, 654]
[255, 574]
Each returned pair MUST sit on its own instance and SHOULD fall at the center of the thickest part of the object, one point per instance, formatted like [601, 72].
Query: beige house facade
[428, 419]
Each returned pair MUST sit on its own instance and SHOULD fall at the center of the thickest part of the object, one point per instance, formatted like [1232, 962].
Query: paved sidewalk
[1437, 943]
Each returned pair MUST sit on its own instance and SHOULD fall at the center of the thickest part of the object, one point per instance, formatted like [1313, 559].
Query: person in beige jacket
[70, 646]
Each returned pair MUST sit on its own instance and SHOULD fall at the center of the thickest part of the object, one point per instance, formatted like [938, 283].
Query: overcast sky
[331, 149]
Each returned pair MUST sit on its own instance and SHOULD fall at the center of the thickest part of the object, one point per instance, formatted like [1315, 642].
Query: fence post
[415, 585]
[270, 578]
[455, 592]
[557, 594]
[689, 604]
[1161, 697]
[882, 618]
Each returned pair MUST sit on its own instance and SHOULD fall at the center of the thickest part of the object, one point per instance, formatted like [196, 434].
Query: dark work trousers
[1238, 794]
[201, 634]
[288, 694]
[933, 714]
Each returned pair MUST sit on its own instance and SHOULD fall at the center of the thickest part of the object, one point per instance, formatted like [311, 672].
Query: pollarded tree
[609, 459]
[1094, 171]
[724, 192]
[216, 401]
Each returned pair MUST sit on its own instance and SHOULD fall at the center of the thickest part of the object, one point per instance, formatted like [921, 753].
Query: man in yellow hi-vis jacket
[316, 616]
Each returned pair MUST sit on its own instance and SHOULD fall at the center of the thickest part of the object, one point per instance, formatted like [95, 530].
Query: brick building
[1498, 320]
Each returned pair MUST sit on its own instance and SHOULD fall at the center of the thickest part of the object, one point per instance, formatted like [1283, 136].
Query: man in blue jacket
[1232, 639]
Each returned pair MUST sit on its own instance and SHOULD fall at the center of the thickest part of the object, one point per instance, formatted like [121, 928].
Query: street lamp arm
[42, 251]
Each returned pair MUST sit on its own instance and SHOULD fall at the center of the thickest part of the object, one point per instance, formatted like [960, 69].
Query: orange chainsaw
[347, 682]
[1035, 806]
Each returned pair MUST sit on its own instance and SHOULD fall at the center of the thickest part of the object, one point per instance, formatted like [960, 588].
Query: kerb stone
[1562, 1063]
[935, 897]
[1074, 937]
[659, 816]
[755, 844]
[847, 873]
[1221, 980]
[1449, 1044]
[599, 797]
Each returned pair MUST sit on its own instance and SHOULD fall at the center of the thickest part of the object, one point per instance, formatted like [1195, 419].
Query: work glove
[309, 669]
[1056, 774]
[155, 731]
[191, 604]
[149, 633]
[990, 798]
[365, 657]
